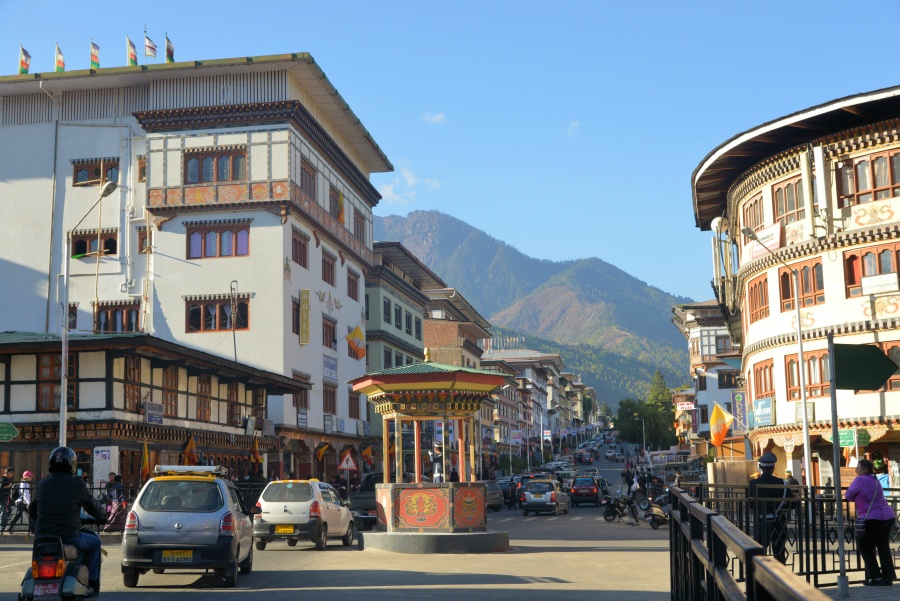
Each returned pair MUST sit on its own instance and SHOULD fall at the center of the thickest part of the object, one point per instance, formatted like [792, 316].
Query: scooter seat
[70, 552]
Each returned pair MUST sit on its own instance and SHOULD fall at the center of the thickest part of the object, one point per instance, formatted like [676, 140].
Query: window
[132, 383]
[818, 374]
[788, 199]
[145, 242]
[352, 285]
[387, 311]
[142, 169]
[728, 379]
[398, 358]
[723, 344]
[218, 315]
[812, 285]
[49, 375]
[88, 173]
[334, 204]
[259, 405]
[359, 226]
[117, 318]
[753, 215]
[234, 407]
[758, 298]
[170, 391]
[328, 268]
[204, 388]
[704, 414]
[408, 323]
[209, 166]
[301, 399]
[295, 316]
[367, 307]
[307, 180]
[300, 249]
[329, 334]
[873, 260]
[763, 380]
[418, 329]
[225, 240]
[354, 405]
[398, 316]
[868, 178]
[329, 399]
[701, 382]
[388, 358]
[85, 244]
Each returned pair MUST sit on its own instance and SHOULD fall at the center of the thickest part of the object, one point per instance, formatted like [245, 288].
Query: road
[551, 559]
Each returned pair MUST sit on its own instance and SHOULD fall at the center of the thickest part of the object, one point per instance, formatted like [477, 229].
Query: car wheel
[247, 565]
[260, 545]
[347, 539]
[130, 579]
[525, 513]
[322, 538]
[556, 509]
[158, 570]
[292, 542]
[230, 575]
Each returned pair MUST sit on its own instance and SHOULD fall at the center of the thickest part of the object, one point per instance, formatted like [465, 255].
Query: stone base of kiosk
[439, 542]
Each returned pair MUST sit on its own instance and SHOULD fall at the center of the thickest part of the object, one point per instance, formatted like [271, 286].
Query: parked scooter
[658, 513]
[56, 571]
[620, 507]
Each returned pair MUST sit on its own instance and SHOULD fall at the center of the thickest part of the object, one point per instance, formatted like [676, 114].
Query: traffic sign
[861, 367]
[7, 432]
[348, 463]
[862, 438]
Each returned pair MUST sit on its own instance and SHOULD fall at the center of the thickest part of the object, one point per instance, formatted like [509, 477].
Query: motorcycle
[56, 572]
[658, 513]
[620, 507]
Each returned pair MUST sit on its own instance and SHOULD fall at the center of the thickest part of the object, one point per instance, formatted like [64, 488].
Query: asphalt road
[552, 558]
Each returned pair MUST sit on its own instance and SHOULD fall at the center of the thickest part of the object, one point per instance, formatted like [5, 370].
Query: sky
[566, 129]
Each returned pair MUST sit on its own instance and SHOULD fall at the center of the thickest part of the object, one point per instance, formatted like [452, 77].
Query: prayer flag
[719, 422]
[320, 452]
[24, 61]
[145, 463]
[367, 456]
[149, 46]
[131, 52]
[95, 56]
[254, 452]
[170, 50]
[60, 60]
[189, 452]
[356, 340]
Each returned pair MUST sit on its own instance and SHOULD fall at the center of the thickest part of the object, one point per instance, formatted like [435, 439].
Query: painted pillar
[386, 450]
[417, 432]
[473, 459]
[398, 449]
[460, 450]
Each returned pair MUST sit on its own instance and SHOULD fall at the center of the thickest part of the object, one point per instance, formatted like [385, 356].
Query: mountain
[607, 325]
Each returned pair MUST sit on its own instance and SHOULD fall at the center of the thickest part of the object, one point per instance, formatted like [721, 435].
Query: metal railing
[712, 559]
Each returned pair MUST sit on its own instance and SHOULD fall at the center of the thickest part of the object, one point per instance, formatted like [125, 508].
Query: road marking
[506, 520]
[529, 519]
[553, 518]
[578, 518]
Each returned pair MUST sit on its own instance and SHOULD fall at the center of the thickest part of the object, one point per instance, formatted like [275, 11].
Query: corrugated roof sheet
[11, 337]
[428, 368]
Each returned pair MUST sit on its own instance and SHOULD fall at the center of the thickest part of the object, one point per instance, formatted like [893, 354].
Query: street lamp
[801, 367]
[643, 434]
[107, 189]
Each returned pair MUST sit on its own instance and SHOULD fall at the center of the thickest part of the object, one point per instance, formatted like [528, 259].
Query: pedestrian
[6, 502]
[118, 506]
[789, 478]
[678, 482]
[879, 518]
[22, 501]
[454, 475]
[772, 508]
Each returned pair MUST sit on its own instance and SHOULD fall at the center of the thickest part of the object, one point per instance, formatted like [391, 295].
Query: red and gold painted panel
[232, 192]
[199, 195]
[431, 507]
[260, 191]
[422, 509]
[469, 509]
[157, 198]
[173, 196]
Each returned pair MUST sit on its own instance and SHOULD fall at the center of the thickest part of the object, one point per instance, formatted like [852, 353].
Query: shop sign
[153, 413]
[763, 412]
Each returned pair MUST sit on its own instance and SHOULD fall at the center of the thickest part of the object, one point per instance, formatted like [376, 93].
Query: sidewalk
[866, 593]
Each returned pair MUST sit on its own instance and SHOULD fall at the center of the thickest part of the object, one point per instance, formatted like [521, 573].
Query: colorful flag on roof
[145, 463]
[60, 60]
[131, 52]
[719, 422]
[189, 452]
[149, 46]
[170, 50]
[95, 55]
[24, 61]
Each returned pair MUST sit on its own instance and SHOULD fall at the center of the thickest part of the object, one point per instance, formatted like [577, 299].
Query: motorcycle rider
[55, 511]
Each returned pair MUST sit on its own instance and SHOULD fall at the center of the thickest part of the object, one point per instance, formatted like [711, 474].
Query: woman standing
[866, 492]
[23, 501]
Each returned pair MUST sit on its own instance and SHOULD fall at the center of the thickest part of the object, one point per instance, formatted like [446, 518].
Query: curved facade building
[820, 190]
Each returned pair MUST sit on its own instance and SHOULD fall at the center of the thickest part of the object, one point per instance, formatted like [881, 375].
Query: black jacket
[781, 495]
[55, 508]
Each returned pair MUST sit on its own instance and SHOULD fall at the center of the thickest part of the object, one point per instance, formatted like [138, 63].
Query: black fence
[711, 558]
[807, 527]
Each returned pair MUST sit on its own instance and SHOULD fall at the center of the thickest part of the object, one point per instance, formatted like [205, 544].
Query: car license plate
[539, 496]
[178, 556]
[49, 588]
[281, 529]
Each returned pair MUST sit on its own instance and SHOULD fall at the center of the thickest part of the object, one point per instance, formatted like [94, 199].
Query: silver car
[292, 510]
[188, 518]
[545, 495]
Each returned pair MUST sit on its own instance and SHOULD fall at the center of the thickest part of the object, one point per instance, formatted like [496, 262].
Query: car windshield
[181, 495]
[584, 482]
[538, 487]
[288, 492]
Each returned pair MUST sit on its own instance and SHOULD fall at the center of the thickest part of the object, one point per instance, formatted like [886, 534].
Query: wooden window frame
[258, 399]
[129, 316]
[866, 261]
[758, 298]
[398, 316]
[49, 381]
[144, 240]
[240, 241]
[132, 383]
[334, 202]
[240, 322]
[85, 244]
[329, 333]
[93, 173]
[301, 399]
[818, 379]
[782, 213]
[295, 316]
[847, 177]
[353, 411]
[142, 169]
[753, 215]
[763, 379]
[235, 416]
[329, 399]
[201, 155]
[329, 269]
[418, 328]
[407, 323]
[170, 377]
[308, 176]
[300, 248]
[204, 397]
[387, 358]
[386, 310]
[353, 285]
[812, 284]
[359, 226]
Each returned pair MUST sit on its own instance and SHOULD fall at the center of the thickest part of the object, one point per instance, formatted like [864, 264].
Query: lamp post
[801, 364]
[105, 190]
[643, 434]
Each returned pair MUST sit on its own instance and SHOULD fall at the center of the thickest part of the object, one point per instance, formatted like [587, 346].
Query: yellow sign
[304, 316]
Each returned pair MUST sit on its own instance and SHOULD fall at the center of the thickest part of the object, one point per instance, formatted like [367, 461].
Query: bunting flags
[130, 52]
[189, 452]
[254, 452]
[145, 463]
[719, 422]
[356, 340]
[95, 55]
[149, 46]
[60, 60]
[24, 61]
[170, 50]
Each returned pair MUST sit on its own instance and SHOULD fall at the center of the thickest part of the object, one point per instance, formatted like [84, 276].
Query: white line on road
[578, 518]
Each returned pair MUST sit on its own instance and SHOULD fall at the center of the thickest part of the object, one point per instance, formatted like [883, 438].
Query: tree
[659, 393]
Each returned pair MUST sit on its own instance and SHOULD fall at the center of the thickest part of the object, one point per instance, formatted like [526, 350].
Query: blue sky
[567, 129]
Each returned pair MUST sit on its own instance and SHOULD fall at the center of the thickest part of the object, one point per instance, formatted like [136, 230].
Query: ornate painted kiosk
[431, 517]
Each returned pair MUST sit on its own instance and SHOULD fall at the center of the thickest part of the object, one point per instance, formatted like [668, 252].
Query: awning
[733, 362]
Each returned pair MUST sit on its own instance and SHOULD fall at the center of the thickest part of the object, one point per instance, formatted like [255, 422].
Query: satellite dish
[715, 224]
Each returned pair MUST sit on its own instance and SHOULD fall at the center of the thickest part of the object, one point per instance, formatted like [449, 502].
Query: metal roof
[718, 170]
[300, 64]
[401, 256]
[427, 367]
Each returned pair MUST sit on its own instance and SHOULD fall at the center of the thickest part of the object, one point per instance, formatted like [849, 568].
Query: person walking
[789, 478]
[22, 502]
[6, 501]
[866, 492]
[771, 508]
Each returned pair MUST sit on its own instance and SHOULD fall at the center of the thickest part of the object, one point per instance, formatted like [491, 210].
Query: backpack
[14, 493]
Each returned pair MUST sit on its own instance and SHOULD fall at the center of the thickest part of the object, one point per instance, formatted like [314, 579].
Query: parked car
[188, 518]
[592, 471]
[585, 490]
[610, 454]
[493, 497]
[294, 510]
[619, 458]
[544, 496]
[523, 480]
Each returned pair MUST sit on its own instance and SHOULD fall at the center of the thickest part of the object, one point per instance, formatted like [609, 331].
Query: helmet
[62, 459]
[27, 474]
[768, 460]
